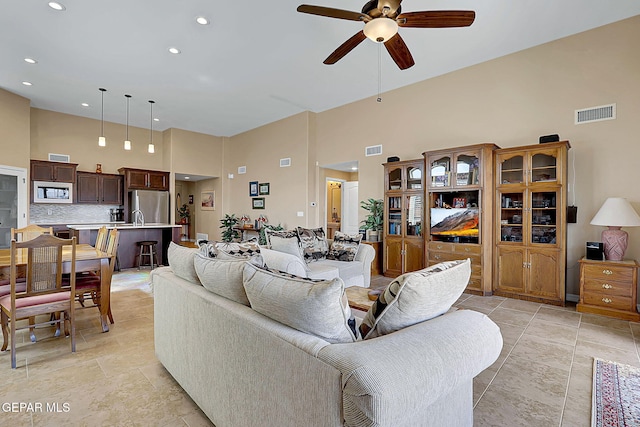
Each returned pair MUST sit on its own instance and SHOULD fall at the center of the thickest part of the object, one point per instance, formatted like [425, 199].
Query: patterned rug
[616, 395]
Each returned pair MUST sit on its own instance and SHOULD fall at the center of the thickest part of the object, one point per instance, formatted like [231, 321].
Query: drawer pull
[607, 300]
[439, 246]
[467, 249]
[607, 272]
[607, 286]
[436, 256]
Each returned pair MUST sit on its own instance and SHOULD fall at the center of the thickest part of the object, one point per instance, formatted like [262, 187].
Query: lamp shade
[616, 212]
[380, 29]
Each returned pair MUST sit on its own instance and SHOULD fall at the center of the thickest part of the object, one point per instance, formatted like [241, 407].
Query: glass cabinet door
[543, 168]
[467, 170]
[413, 215]
[414, 178]
[394, 221]
[511, 217]
[440, 172]
[512, 170]
[543, 217]
[395, 179]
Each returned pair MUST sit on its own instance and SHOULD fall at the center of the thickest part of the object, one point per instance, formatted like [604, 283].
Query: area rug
[616, 395]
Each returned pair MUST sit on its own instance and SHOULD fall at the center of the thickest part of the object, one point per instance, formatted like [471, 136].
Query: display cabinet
[403, 244]
[459, 220]
[531, 222]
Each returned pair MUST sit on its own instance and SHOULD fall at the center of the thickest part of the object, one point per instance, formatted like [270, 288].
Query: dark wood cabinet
[141, 179]
[42, 170]
[97, 188]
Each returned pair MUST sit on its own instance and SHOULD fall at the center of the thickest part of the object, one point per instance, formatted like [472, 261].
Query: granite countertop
[121, 226]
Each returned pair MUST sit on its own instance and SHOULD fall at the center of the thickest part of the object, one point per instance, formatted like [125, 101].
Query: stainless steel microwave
[52, 192]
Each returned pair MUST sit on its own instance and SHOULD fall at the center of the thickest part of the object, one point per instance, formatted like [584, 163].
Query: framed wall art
[208, 201]
[253, 188]
[257, 203]
[263, 188]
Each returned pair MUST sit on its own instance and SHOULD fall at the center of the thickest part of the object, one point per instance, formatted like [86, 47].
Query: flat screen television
[455, 223]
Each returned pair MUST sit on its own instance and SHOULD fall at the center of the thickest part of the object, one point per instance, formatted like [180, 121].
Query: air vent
[63, 158]
[596, 114]
[374, 150]
[285, 162]
[242, 169]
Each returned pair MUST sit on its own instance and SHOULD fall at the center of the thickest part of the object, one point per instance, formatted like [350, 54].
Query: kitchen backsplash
[44, 213]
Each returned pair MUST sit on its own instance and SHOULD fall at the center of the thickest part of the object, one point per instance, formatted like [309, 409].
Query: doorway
[341, 206]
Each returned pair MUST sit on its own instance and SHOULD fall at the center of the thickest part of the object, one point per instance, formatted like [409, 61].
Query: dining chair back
[29, 232]
[101, 239]
[44, 292]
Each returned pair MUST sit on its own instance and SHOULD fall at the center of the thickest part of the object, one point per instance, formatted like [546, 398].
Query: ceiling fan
[382, 19]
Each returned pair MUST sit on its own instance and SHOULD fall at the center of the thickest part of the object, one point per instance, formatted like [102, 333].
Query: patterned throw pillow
[313, 242]
[416, 297]
[316, 307]
[344, 246]
[284, 241]
[245, 249]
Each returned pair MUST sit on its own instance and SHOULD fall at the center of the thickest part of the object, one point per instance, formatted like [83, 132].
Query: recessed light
[155, 119]
[30, 60]
[84, 104]
[186, 177]
[56, 6]
[202, 20]
[174, 50]
[27, 83]
[354, 168]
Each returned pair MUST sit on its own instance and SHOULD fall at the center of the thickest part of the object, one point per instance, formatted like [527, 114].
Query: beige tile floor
[542, 378]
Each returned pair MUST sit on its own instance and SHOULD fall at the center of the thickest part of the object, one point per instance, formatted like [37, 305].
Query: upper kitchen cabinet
[98, 188]
[42, 170]
[141, 179]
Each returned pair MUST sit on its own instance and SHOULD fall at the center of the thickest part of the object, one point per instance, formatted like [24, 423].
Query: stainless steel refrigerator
[154, 205]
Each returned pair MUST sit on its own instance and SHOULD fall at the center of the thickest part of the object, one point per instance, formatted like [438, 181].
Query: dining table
[88, 258]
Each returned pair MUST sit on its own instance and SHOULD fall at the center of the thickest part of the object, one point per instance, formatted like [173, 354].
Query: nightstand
[609, 288]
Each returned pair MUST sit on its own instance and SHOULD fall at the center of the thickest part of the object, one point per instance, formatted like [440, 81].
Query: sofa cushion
[344, 246]
[324, 271]
[282, 261]
[181, 261]
[284, 241]
[319, 308]
[346, 270]
[313, 242]
[222, 277]
[244, 249]
[415, 297]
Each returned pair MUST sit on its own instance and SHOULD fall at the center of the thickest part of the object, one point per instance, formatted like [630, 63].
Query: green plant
[229, 233]
[374, 220]
[262, 239]
[183, 211]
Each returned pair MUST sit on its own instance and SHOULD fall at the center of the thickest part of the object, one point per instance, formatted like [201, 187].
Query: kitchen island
[129, 235]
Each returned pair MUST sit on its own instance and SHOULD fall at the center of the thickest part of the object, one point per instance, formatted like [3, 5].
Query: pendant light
[127, 143]
[152, 148]
[102, 141]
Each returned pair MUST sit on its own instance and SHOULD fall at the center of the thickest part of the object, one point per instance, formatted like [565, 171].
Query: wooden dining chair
[101, 239]
[44, 292]
[90, 284]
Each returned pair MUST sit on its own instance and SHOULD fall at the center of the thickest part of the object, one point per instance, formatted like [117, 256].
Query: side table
[376, 264]
[609, 288]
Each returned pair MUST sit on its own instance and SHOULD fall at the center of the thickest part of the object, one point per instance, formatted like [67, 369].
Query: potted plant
[228, 224]
[374, 221]
[183, 212]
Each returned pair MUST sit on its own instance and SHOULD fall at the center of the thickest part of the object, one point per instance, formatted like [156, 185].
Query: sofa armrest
[386, 380]
[365, 255]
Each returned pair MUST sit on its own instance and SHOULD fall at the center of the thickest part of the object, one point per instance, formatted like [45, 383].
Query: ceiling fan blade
[345, 48]
[436, 19]
[399, 52]
[333, 13]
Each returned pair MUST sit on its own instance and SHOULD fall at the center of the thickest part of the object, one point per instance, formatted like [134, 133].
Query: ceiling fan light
[380, 29]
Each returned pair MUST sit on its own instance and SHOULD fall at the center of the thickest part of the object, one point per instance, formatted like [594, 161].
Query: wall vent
[596, 114]
[374, 150]
[64, 158]
[285, 162]
[242, 169]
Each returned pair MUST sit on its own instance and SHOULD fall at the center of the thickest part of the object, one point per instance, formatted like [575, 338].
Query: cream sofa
[243, 368]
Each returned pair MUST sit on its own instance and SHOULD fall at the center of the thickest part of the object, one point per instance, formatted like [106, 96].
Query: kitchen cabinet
[141, 179]
[403, 244]
[459, 214]
[42, 170]
[98, 188]
[530, 222]
[609, 288]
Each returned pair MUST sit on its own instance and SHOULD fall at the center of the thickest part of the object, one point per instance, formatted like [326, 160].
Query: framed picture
[190, 199]
[257, 203]
[263, 188]
[253, 188]
[208, 201]
[459, 202]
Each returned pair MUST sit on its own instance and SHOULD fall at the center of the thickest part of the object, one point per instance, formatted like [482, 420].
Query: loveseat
[243, 365]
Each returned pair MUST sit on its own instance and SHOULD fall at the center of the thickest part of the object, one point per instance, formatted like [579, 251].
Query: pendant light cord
[379, 72]
[102, 114]
[128, 97]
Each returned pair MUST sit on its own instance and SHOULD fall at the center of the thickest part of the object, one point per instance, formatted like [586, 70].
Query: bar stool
[147, 249]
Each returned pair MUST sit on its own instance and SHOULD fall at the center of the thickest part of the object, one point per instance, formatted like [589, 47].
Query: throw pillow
[313, 242]
[207, 249]
[244, 249]
[344, 246]
[319, 308]
[415, 297]
[284, 241]
[283, 262]
[222, 277]
[181, 262]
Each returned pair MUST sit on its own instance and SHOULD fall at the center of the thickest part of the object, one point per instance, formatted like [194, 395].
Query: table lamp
[616, 212]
